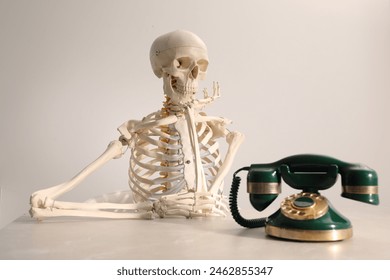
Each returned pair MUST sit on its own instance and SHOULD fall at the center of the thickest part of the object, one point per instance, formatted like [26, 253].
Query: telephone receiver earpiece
[310, 174]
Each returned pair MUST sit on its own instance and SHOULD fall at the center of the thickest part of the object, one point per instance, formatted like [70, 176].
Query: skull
[180, 58]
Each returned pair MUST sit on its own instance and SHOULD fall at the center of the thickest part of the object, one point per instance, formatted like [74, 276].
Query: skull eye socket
[182, 63]
[203, 63]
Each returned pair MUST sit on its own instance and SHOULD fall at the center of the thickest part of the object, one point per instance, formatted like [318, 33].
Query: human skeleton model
[175, 165]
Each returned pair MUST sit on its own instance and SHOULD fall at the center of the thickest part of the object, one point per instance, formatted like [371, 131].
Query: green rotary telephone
[305, 216]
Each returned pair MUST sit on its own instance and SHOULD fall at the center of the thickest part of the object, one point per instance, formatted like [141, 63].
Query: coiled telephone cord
[248, 223]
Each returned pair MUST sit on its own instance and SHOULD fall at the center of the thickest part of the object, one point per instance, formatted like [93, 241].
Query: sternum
[170, 131]
[185, 128]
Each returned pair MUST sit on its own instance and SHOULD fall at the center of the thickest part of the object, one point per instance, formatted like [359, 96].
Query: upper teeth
[185, 89]
[182, 89]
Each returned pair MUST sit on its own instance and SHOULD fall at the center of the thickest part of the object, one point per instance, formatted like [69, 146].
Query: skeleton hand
[216, 90]
[216, 93]
[201, 103]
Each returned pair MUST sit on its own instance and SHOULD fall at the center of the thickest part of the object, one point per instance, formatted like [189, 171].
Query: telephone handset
[305, 216]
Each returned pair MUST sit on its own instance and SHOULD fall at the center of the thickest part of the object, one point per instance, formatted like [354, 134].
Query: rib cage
[157, 160]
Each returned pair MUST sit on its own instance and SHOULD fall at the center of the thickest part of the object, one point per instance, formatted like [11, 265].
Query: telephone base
[308, 217]
[308, 235]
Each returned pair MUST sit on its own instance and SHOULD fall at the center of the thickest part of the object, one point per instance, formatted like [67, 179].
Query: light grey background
[296, 77]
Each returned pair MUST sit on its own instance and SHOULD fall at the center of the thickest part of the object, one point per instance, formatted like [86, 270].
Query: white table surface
[185, 239]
